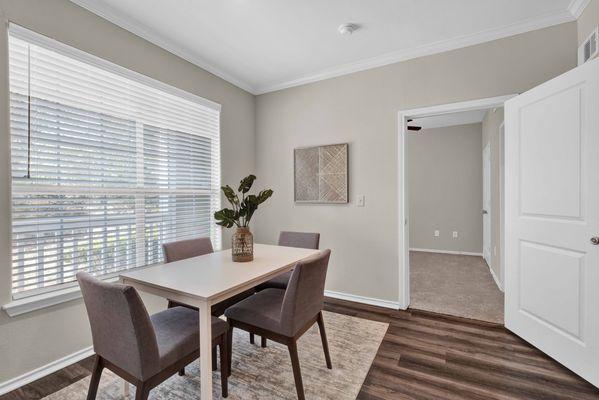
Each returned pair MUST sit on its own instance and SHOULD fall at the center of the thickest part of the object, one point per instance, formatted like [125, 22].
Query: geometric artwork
[321, 174]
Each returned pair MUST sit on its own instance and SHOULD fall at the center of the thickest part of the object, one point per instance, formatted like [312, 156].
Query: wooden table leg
[206, 350]
[126, 389]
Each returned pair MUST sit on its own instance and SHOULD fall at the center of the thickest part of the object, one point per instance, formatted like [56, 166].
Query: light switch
[455, 234]
[436, 233]
[360, 200]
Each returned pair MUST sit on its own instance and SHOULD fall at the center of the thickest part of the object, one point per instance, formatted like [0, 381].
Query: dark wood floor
[425, 356]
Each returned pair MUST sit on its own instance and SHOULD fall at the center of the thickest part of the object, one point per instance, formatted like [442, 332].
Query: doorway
[441, 259]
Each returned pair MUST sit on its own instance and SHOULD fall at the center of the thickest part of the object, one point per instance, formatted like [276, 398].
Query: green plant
[243, 210]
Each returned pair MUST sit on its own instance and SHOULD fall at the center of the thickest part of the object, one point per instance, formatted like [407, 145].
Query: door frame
[502, 204]
[403, 247]
[487, 178]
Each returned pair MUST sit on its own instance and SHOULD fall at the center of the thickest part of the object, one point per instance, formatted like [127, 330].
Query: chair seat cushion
[177, 333]
[262, 310]
[278, 282]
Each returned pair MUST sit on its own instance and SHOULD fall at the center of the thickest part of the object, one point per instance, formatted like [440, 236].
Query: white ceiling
[453, 119]
[266, 45]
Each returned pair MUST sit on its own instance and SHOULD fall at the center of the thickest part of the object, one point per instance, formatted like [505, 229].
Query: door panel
[550, 152]
[551, 266]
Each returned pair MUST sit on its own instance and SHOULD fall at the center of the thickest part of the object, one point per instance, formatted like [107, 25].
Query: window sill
[44, 300]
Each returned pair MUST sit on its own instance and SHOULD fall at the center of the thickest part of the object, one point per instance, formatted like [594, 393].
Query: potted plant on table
[242, 246]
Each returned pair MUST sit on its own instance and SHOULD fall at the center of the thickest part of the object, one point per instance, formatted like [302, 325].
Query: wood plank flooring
[425, 356]
[431, 356]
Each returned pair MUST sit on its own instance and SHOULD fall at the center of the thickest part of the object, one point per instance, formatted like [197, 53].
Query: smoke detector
[347, 29]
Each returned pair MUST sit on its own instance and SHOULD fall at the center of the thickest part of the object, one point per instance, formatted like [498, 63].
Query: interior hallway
[455, 285]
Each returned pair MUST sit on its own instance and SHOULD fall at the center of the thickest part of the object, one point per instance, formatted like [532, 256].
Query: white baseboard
[463, 253]
[45, 370]
[497, 282]
[361, 299]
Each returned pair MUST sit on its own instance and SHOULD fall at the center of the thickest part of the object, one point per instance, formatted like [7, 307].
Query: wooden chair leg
[325, 343]
[263, 341]
[297, 373]
[252, 341]
[214, 366]
[95, 379]
[142, 391]
[224, 366]
[230, 348]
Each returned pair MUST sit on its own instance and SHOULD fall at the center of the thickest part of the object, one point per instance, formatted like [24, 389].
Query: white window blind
[107, 165]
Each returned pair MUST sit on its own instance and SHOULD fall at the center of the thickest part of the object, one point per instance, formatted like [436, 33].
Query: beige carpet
[456, 285]
[266, 373]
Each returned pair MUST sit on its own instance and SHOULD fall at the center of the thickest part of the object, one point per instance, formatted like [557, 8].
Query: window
[106, 165]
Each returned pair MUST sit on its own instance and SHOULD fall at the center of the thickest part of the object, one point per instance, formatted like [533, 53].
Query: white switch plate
[361, 200]
[455, 234]
[436, 233]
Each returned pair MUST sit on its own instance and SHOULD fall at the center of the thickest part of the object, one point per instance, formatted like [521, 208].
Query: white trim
[125, 22]
[87, 58]
[442, 46]
[576, 7]
[49, 297]
[502, 205]
[362, 299]
[527, 25]
[497, 281]
[403, 212]
[28, 377]
[457, 252]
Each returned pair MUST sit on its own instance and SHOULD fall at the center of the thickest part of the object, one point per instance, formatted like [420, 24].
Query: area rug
[265, 373]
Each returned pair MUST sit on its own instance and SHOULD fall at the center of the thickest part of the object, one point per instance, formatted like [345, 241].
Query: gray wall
[445, 188]
[35, 339]
[492, 134]
[588, 20]
[361, 109]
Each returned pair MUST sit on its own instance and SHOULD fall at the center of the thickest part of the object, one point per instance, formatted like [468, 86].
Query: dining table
[209, 279]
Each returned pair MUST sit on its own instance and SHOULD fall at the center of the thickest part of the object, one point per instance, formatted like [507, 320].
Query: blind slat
[106, 166]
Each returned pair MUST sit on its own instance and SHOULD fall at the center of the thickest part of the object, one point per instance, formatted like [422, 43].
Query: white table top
[212, 275]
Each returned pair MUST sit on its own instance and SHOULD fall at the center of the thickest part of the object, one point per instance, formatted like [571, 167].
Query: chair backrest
[122, 331]
[184, 249]
[304, 297]
[305, 240]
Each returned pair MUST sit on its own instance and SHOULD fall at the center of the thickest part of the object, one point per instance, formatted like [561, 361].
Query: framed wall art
[321, 174]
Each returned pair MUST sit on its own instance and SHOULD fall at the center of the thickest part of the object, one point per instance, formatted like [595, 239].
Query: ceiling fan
[413, 128]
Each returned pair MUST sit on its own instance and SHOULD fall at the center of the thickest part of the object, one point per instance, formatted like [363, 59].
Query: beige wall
[588, 20]
[445, 188]
[35, 339]
[492, 134]
[361, 109]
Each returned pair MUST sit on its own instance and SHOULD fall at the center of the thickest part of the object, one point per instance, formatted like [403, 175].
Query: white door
[552, 218]
[487, 203]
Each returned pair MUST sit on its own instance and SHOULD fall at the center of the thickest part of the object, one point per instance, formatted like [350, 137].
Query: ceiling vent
[589, 48]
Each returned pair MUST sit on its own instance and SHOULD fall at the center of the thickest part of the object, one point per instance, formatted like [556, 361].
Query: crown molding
[427, 50]
[576, 7]
[130, 25]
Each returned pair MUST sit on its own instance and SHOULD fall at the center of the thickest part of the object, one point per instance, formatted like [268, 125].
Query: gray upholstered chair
[284, 315]
[184, 249]
[142, 349]
[304, 240]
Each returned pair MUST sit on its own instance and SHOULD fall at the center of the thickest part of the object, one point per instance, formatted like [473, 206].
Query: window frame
[87, 58]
